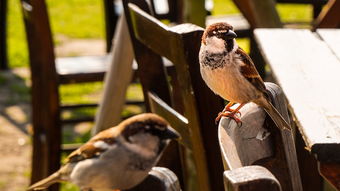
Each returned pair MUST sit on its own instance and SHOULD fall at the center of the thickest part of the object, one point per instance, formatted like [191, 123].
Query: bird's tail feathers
[279, 121]
[46, 182]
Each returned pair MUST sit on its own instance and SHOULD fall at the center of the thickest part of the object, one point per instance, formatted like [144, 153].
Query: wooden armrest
[160, 179]
[250, 178]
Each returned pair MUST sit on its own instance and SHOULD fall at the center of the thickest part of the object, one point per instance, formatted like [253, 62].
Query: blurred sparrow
[230, 73]
[116, 158]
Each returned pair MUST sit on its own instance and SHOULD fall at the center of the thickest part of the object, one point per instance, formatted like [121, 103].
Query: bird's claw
[230, 115]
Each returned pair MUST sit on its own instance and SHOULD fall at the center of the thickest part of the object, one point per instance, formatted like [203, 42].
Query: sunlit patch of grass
[81, 93]
[295, 13]
[222, 7]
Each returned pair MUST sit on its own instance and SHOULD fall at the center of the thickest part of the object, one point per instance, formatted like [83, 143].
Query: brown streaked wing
[249, 71]
[88, 150]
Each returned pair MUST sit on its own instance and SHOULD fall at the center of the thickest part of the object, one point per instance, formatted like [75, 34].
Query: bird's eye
[214, 32]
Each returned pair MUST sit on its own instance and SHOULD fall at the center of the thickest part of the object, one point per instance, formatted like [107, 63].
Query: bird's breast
[229, 83]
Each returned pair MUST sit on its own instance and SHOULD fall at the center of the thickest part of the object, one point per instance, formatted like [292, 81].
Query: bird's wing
[91, 149]
[249, 71]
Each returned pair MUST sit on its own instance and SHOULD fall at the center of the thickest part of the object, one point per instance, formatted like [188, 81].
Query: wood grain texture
[160, 179]
[259, 141]
[244, 145]
[306, 69]
[332, 39]
[250, 178]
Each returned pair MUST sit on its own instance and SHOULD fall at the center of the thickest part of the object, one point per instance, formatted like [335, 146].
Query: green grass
[71, 18]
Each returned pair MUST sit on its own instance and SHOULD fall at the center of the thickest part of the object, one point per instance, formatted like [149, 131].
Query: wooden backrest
[191, 99]
[258, 142]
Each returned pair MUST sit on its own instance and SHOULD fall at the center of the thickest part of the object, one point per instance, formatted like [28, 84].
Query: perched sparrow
[230, 73]
[116, 158]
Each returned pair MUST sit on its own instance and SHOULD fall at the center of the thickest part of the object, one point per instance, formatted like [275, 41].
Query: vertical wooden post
[116, 80]
[111, 18]
[3, 41]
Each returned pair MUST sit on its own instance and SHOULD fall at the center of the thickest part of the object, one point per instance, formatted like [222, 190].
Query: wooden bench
[306, 65]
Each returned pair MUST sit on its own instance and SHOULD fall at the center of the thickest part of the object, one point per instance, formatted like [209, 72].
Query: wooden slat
[332, 39]
[329, 16]
[250, 178]
[331, 172]
[3, 40]
[179, 122]
[306, 69]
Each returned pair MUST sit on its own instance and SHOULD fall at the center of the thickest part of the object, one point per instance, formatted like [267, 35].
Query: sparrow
[230, 73]
[117, 158]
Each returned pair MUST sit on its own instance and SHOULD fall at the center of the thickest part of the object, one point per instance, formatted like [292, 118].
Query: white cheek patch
[101, 145]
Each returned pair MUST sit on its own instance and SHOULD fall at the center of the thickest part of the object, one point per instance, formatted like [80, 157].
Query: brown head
[148, 123]
[221, 30]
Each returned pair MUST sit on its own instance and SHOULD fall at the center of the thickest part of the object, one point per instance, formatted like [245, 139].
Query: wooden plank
[179, 122]
[306, 69]
[116, 81]
[332, 39]
[3, 35]
[329, 16]
[250, 178]
[331, 171]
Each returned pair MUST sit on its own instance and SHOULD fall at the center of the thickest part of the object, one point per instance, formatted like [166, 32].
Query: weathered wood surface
[250, 178]
[3, 35]
[159, 179]
[306, 69]
[117, 80]
[332, 39]
[244, 145]
[258, 141]
[329, 16]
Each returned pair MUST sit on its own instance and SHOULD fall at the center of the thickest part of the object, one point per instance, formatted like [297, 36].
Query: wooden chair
[181, 97]
[47, 74]
[257, 155]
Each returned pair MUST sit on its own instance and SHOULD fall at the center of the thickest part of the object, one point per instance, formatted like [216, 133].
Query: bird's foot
[230, 115]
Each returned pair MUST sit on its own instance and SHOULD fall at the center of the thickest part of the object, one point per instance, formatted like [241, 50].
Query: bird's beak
[230, 34]
[170, 133]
